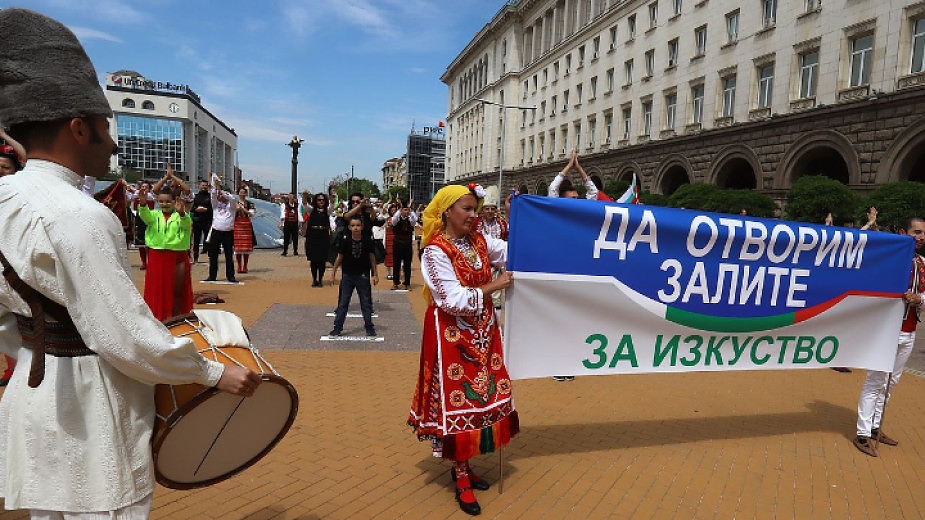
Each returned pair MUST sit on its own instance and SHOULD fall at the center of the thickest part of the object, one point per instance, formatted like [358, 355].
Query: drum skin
[203, 436]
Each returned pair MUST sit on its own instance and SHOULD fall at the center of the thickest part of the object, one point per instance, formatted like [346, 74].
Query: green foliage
[652, 199]
[895, 202]
[813, 197]
[398, 193]
[346, 186]
[614, 189]
[753, 202]
[692, 196]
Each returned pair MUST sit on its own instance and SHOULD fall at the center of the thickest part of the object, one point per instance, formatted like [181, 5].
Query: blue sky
[348, 76]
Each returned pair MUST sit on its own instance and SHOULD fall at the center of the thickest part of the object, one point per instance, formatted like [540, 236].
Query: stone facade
[629, 84]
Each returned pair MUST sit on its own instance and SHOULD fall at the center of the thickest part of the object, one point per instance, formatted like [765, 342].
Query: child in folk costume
[243, 230]
[168, 289]
[462, 402]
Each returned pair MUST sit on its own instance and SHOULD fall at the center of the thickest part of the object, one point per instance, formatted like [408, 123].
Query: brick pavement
[767, 444]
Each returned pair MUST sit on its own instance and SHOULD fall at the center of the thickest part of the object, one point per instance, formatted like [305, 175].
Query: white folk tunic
[80, 442]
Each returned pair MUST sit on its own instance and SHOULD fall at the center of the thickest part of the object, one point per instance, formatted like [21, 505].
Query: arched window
[128, 103]
[148, 105]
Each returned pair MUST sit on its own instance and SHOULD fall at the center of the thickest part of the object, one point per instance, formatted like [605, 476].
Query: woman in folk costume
[169, 231]
[462, 401]
[243, 230]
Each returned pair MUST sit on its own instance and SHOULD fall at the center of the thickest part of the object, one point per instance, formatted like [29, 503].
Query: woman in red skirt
[462, 402]
[243, 230]
[168, 289]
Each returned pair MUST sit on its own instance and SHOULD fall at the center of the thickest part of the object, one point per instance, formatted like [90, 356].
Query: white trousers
[874, 395]
[137, 511]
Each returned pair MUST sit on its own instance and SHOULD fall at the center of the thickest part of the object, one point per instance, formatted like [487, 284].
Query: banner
[608, 288]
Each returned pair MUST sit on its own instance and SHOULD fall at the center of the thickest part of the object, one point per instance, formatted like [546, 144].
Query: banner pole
[889, 381]
[501, 470]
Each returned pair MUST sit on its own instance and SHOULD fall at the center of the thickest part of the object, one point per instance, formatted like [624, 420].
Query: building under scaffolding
[426, 161]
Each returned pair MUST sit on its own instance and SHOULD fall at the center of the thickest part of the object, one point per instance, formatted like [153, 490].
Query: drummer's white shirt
[80, 442]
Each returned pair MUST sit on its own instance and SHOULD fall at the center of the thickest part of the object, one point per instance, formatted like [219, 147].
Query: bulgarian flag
[631, 195]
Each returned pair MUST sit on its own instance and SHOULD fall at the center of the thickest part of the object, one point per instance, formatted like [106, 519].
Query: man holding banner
[879, 385]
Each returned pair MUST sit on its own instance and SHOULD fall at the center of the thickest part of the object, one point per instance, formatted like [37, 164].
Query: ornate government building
[738, 93]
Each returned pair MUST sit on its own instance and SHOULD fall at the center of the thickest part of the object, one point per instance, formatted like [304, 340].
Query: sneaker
[396, 287]
[883, 438]
[407, 287]
[864, 444]
[233, 280]
[371, 333]
[284, 254]
[388, 277]
[564, 378]
[209, 280]
[335, 333]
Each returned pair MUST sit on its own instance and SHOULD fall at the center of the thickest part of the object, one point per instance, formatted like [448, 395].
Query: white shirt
[590, 188]
[448, 293]
[80, 442]
[222, 212]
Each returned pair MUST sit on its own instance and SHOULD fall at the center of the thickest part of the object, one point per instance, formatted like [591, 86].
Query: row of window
[130, 103]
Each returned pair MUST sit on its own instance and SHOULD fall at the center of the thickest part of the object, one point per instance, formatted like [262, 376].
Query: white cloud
[110, 10]
[85, 33]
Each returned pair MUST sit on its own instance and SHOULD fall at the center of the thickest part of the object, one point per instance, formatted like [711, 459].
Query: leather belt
[58, 338]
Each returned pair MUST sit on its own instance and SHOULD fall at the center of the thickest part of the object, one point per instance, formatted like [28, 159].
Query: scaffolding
[426, 161]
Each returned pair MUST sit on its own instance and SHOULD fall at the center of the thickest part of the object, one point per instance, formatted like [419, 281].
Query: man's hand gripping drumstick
[239, 381]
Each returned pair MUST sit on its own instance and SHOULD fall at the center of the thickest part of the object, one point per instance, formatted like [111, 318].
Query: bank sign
[608, 288]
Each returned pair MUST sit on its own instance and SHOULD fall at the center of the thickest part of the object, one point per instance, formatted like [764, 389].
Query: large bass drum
[202, 435]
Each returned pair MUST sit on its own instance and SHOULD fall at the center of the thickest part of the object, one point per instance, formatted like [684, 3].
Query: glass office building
[147, 143]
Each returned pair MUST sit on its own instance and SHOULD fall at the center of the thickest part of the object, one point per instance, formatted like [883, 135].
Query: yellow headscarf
[433, 214]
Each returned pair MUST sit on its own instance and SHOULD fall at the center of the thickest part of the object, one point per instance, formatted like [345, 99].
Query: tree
[692, 196]
[653, 199]
[398, 192]
[895, 202]
[813, 197]
[753, 202]
[346, 186]
[615, 189]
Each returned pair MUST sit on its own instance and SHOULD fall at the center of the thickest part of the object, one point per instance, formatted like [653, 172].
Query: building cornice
[157, 93]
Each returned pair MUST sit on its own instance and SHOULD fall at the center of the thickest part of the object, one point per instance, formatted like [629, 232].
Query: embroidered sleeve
[448, 293]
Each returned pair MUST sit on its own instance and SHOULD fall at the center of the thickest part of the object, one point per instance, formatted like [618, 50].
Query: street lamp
[503, 108]
[295, 144]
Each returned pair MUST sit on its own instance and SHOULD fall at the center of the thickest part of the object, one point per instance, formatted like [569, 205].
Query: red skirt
[463, 395]
[168, 288]
[243, 235]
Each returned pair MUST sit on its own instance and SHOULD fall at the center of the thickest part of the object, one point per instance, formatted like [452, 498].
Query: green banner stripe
[725, 324]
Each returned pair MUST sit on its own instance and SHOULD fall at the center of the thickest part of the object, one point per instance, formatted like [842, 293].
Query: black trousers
[224, 240]
[200, 232]
[291, 234]
[401, 261]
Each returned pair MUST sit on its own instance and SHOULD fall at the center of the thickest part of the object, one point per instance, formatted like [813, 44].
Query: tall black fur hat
[45, 74]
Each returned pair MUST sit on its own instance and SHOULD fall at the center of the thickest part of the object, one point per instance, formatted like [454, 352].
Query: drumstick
[217, 435]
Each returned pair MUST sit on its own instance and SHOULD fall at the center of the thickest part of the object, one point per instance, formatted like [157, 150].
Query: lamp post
[295, 144]
[503, 108]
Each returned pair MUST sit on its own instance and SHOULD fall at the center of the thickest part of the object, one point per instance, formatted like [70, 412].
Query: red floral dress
[463, 396]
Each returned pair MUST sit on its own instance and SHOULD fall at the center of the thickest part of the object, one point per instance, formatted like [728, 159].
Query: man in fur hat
[76, 419]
